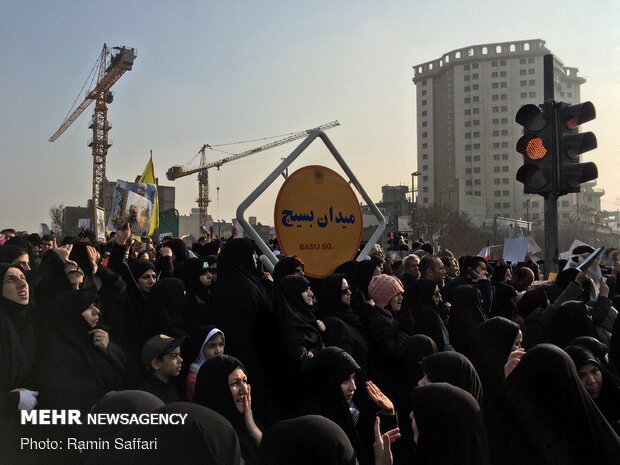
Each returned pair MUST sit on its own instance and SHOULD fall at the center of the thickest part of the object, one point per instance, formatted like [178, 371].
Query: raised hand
[380, 399]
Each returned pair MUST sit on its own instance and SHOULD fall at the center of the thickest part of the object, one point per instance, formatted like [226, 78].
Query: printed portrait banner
[318, 218]
[132, 203]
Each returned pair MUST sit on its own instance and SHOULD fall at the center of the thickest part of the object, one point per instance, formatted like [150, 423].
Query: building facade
[466, 129]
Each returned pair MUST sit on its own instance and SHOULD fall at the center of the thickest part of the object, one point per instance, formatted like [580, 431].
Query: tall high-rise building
[466, 130]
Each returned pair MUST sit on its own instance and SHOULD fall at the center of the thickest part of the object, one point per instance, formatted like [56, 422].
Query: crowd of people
[428, 359]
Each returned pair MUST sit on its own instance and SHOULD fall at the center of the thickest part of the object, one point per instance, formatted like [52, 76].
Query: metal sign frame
[271, 259]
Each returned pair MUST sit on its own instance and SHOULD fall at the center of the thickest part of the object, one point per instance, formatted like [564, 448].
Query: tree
[449, 229]
[56, 213]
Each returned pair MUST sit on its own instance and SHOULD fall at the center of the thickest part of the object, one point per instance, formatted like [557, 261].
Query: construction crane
[111, 65]
[203, 199]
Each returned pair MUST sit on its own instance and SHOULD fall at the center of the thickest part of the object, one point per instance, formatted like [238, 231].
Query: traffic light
[537, 145]
[572, 173]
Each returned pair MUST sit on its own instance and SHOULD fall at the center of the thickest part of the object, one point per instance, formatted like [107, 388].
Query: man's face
[45, 246]
[413, 267]
[437, 272]
[453, 270]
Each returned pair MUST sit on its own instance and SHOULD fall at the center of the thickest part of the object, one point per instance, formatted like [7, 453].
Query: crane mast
[203, 199]
[111, 67]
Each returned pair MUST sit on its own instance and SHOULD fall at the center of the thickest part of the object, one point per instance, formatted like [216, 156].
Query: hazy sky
[217, 72]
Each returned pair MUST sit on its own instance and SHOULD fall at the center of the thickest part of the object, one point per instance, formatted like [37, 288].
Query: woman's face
[348, 387]
[308, 297]
[436, 296]
[238, 385]
[508, 275]
[517, 342]
[206, 279]
[591, 378]
[414, 428]
[23, 260]
[91, 315]
[346, 292]
[15, 287]
[396, 302]
[213, 272]
[146, 281]
[214, 347]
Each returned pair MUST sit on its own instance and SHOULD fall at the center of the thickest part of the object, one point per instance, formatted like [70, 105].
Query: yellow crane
[203, 199]
[111, 65]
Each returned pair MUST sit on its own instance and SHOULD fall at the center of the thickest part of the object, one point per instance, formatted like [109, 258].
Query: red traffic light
[532, 147]
[574, 115]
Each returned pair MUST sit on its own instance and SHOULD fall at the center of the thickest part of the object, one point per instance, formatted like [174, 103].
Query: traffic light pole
[551, 198]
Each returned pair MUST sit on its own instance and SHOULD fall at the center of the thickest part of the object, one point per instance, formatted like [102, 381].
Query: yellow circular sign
[319, 219]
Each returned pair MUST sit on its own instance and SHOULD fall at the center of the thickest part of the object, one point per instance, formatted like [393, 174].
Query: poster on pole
[318, 218]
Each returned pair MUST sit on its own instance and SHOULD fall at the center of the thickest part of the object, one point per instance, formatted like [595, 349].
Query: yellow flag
[148, 177]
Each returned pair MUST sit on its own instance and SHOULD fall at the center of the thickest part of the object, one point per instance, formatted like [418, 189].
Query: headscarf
[465, 314]
[451, 431]
[364, 273]
[306, 440]
[296, 324]
[139, 267]
[286, 266]
[570, 320]
[205, 438]
[331, 303]
[322, 394]
[189, 272]
[17, 340]
[608, 400]
[9, 252]
[212, 391]
[179, 249]
[455, 369]
[211, 331]
[543, 415]
[491, 345]
[422, 291]
[166, 299]
[532, 300]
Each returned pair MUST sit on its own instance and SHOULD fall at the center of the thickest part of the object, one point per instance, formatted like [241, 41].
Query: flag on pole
[148, 177]
[486, 252]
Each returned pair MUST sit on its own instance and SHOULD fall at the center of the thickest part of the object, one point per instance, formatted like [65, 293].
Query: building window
[532, 94]
[425, 156]
[502, 62]
[468, 182]
[494, 74]
[523, 95]
[467, 89]
[495, 145]
[504, 156]
[424, 92]
[475, 87]
[531, 71]
[425, 134]
[467, 100]
[467, 147]
[496, 133]
[502, 74]
[504, 120]
[424, 178]
[497, 205]
[496, 156]
[466, 67]
[424, 112]
[476, 157]
[467, 159]
[505, 169]
[504, 96]
[475, 76]
[467, 170]
[504, 132]
[477, 182]
[424, 145]
[506, 205]
[504, 145]
[496, 181]
[424, 167]
[425, 189]
[474, 65]
[532, 82]
[504, 108]
[522, 61]
[530, 60]
[477, 169]
[478, 193]
[522, 72]
[466, 78]
[476, 98]
[467, 124]
[495, 109]
[494, 97]
[505, 181]
[523, 83]
[496, 169]
[467, 112]
[503, 84]
[423, 102]
[476, 133]
[505, 193]
[476, 122]
[476, 111]
[468, 135]
[424, 124]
